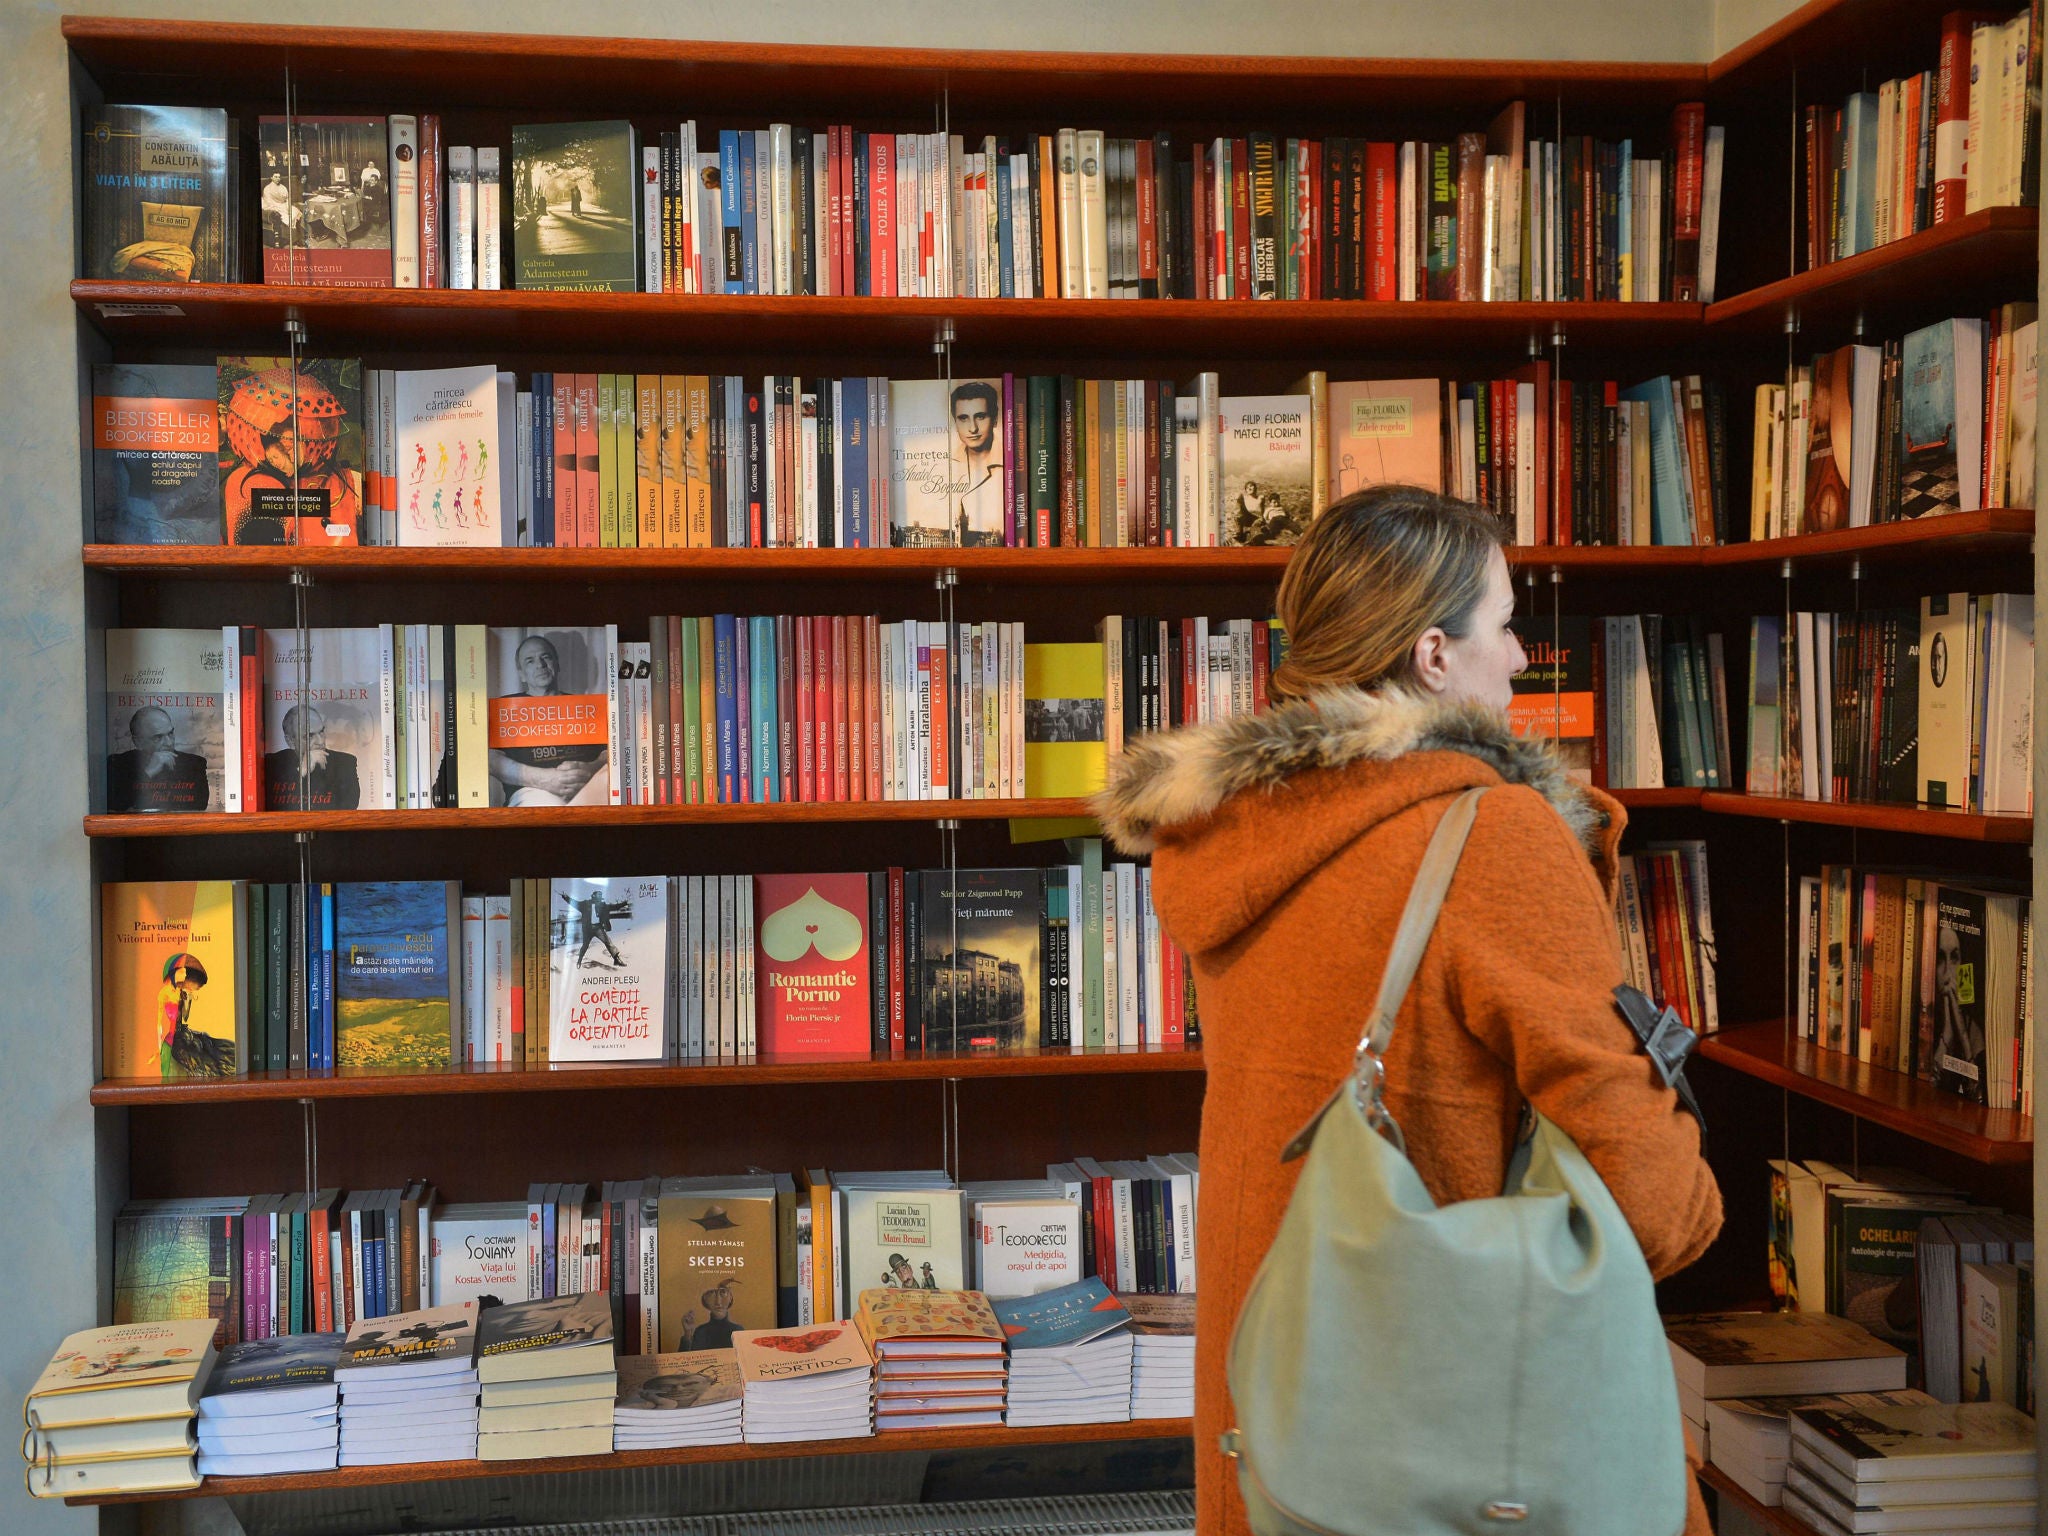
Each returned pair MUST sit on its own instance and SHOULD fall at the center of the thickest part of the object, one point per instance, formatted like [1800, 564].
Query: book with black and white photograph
[325, 201]
[608, 969]
[166, 723]
[575, 198]
[553, 698]
[330, 747]
[687, 1398]
[980, 985]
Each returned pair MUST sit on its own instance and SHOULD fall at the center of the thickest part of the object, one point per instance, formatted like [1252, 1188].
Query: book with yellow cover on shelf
[911, 1323]
[172, 957]
[123, 1372]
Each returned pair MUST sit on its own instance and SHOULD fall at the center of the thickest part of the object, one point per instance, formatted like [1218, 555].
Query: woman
[1283, 847]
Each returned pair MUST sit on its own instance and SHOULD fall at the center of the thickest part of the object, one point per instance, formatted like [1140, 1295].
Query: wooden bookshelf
[1768, 1517]
[927, 1441]
[2003, 532]
[1891, 1099]
[1912, 819]
[586, 817]
[483, 1077]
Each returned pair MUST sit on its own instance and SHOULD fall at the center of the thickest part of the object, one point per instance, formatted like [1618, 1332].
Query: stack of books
[939, 1357]
[1750, 1437]
[1773, 1354]
[1914, 1467]
[1070, 1356]
[666, 1401]
[112, 1411]
[408, 1388]
[1162, 1355]
[805, 1383]
[548, 1378]
[272, 1406]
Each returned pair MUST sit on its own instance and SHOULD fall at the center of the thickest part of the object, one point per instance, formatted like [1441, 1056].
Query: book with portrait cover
[396, 993]
[176, 1259]
[608, 969]
[946, 462]
[1268, 468]
[158, 186]
[448, 458]
[166, 727]
[980, 966]
[155, 453]
[715, 1245]
[575, 196]
[477, 1253]
[172, 1003]
[341, 730]
[324, 202]
[812, 950]
[553, 695]
[291, 449]
[1385, 432]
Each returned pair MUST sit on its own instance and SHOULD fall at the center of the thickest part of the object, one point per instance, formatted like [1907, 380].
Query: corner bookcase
[485, 1134]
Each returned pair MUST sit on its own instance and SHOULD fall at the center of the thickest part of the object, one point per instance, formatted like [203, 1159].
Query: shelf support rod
[309, 1130]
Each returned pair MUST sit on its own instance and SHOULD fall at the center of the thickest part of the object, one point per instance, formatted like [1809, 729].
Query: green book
[277, 1026]
[623, 448]
[607, 461]
[1041, 456]
[257, 990]
[575, 189]
[1090, 851]
[300, 1322]
[693, 718]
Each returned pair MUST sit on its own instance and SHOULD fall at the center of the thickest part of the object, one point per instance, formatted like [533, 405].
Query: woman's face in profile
[1480, 667]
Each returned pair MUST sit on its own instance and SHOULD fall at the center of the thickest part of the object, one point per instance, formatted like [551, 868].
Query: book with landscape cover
[341, 731]
[166, 726]
[290, 454]
[158, 185]
[812, 949]
[172, 1003]
[715, 1241]
[983, 994]
[325, 204]
[1385, 432]
[608, 969]
[448, 458]
[550, 691]
[1268, 468]
[575, 192]
[396, 991]
[155, 453]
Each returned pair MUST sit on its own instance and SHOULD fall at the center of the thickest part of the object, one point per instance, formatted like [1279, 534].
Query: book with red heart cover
[812, 958]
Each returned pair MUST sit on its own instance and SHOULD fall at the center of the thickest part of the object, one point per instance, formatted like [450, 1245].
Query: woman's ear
[1432, 660]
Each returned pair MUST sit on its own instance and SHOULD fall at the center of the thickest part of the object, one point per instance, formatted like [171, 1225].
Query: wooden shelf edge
[504, 819]
[1996, 527]
[927, 1440]
[1890, 1099]
[1873, 818]
[468, 1080]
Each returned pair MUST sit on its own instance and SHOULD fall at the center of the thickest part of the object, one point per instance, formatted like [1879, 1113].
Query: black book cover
[1265, 192]
[862, 281]
[1717, 459]
[1960, 988]
[1166, 216]
[1331, 220]
[1184, 229]
[979, 961]
[1902, 744]
[804, 207]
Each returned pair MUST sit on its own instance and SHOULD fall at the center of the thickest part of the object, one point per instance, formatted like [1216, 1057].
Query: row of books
[1664, 918]
[1929, 147]
[1940, 421]
[1920, 972]
[1640, 700]
[1933, 708]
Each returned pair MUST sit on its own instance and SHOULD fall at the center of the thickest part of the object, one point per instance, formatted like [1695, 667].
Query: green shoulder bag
[1401, 1368]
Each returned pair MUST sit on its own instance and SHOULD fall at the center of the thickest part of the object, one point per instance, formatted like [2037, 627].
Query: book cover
[811, 945]
[176, 1259]
[662, 1384]
[291, 449]
[339, 732]
[1553, 694]
[1267, 468]
[894, 1321]
[166, 726]
[1991, 1332]
[1170, 1317]
[1024, 1247]
[448, 458]
[1830, 442]
[129, 1355]
[909, 1239]
[477, 1253]
[326, 208]
[1881, 1444]
[543, 1326]
[1073, 1314]
[946, 468]
[170, 978]
[549, 703]
[716, 1248]
[786, 1354]
[984, 994]
[155, 453]
[1960, 993]
[265, 1365]
[395, 990]
[608, 969]
[1064, 704]
[156, 190]
[1385, 432]
[573, 201]
[444, 1336]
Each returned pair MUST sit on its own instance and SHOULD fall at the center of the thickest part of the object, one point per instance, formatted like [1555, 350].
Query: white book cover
[166, 720]
[342, 725]
[477, 1252]
[447, 435]
[551, 693]
[498, 978]
[904, 1238]
[405, 200]
[473, 988]
[608, 969]
[1026, 1246]
[651, 275]
[490, 248]
[461, 206]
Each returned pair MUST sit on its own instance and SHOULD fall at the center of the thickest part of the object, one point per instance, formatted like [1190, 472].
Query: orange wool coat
[1283, 846]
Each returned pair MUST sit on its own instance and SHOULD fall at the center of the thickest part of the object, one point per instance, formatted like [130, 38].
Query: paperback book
[979, 983]
[552, 693]
[167, 747]
[396, 989]
[813, 955]
[291, 449]
[158, 185]
[171, 959]
[608, 970]
[155, 453]
[326, 207]
[328, 748]
[448, 454]
[1268, 469]
[575, 190]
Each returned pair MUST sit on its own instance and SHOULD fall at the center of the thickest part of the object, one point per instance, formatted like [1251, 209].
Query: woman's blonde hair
[1375, 572]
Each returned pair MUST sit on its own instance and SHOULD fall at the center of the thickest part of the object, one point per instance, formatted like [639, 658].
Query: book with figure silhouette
[575, 197]
[172, 957]
[449, 458]
[608, 969]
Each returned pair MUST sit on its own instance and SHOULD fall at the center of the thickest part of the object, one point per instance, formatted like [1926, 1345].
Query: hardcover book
[340, 732]
[549, 702]
[166, 727]
[1268, 468]
[716, 1246]
[157, 189]
[574, 199]
[1385, 432]
[325, 203]
[477, 1253]
[127, 1371]
[608, 969]
[396, 992]
[171, 962]
[291, 449]
[983, 994]
[155, 453]
[1064, 708]
[811, 945]
[448, 458]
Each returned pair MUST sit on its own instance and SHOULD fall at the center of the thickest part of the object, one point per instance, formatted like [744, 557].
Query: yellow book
[675, 521]
[697, 458]
[171, 963]
[625, 452]
[1063, 720]
[607, 461]
[647, 459]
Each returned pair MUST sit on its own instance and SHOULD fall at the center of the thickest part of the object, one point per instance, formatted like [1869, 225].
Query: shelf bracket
[294, 327]
[943, 336]
[301, 577]
[1791, 322]
[1556, 337]
[947, 824]
[945, 579]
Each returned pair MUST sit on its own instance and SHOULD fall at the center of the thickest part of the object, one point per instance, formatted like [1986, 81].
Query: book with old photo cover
[981, 964]
[158, 188]
[155, 453]
[575, 203]
[1753, 1354]
[325, 202]
[332, 748]
[291, 449]
[554, 1336]
[1268, 468]
[178, 1259]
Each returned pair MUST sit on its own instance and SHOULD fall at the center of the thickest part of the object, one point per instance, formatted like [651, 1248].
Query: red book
[941, 720]
[1148, 224]
[589, 533]
[856, 707]
[1173, 1027]
[1306, 203]
[1689, 160]
[1383, 221]
[823, 692]
[433, 200]
[1205, 272]
[785, 706]
[849, 239]
[565, 460]
[1240, 219]
[842, 721]
[812, 957]
[806, 696]
[1951, 123]
[1561, 455]
[896, 959]
[1262, 663]
[882, 215]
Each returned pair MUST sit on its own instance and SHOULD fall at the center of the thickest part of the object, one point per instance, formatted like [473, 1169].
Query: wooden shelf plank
[499, 818]
[927, 1440]
[2002, 531]
[1890, 1099]
[1873, 818]
[1944, 270]
[591, 1076]
[1778, 1522]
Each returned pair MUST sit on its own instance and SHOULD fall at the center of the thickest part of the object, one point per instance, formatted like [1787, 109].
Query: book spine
[433, 255]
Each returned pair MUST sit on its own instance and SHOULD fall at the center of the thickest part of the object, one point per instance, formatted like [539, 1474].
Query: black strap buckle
[1666, 1041]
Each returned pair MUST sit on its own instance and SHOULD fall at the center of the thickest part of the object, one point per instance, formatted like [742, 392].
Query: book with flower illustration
[127, 1371]
[811, 948]
[913, 1324]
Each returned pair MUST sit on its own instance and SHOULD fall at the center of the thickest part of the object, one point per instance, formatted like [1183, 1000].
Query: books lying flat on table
[955, 1331]
[690, 1398]
[805, 1384]
[272, 1406]
[1746, 1354]
[1749, 1438]
[112, 1411]
[1070, 1356]
[1162, 1355]
[409, 1387]
[547, 1375]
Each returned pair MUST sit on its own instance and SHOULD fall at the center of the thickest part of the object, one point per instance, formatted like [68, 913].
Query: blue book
[743, 704]
[397, 978]
[730, 204]
[1073, 1314]
[1624, 244]
[1859, 172]
[750, 268]
[1670, 517]
[999, 178]
[853, 460]
[547, 1239]
[544, 460]
[724, 684]
[761, 663]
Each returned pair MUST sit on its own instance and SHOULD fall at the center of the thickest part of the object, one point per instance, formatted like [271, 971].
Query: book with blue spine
[743, 706]
[761, 663]
[853, 462]
[726, 682]
[732, 250]
[750, 265]
[1669, 521]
